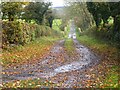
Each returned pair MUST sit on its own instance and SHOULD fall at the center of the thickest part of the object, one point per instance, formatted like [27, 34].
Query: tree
[49, 17]
[115, 13]
[103, 10]
[79, 12]
[11, 10]
[94, 9]
[36, 11]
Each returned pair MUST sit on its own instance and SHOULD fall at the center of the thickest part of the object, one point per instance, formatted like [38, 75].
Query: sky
[57, 3]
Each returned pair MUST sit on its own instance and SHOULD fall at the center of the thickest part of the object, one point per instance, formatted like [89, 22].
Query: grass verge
[109, 56]
[69, 47]
[35, 83]
[112, 79]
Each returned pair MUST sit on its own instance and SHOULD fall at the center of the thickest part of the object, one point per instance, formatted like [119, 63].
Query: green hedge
[106, 34]
[20, 33]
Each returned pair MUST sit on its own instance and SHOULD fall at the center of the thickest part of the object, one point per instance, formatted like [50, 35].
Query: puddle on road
[65, 68]
[70, 67]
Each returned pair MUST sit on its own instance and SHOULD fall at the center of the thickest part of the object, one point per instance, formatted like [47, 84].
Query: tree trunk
[116, 24]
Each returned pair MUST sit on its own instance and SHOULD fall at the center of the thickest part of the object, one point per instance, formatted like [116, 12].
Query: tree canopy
[36, 11]
[11, 10]
[25, 10]
[103, 10]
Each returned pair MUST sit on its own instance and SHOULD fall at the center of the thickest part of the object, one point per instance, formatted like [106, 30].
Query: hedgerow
[20, 33]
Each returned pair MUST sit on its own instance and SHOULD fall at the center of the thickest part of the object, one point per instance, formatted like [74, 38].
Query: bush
[20, 33]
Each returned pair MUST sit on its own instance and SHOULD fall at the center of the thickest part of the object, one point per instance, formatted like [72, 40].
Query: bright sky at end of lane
[57, 3]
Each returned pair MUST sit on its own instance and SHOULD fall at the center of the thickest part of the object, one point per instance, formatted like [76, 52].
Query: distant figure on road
[69, 36]
[74, 36]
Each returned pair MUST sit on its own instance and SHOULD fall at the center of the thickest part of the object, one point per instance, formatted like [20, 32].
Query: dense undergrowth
[108, 48]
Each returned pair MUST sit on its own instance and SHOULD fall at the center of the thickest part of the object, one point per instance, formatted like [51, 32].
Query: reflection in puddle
[70, 67]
